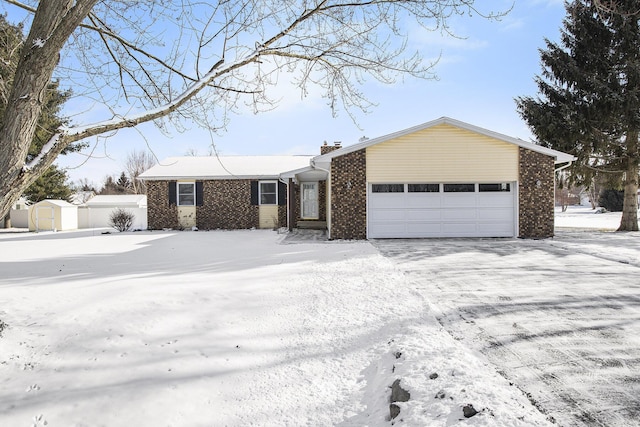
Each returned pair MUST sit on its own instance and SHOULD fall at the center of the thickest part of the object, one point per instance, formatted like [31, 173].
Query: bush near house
[121, 219]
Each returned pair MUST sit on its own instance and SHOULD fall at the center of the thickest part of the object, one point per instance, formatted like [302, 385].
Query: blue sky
[478, 78]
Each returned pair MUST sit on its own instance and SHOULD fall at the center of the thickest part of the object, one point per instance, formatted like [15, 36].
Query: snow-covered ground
[559, 317]
[248, 328]
[583, 217]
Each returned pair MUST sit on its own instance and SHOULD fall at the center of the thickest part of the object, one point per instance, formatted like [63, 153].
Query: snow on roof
[225, 167]
[118, 200]
[56, 202]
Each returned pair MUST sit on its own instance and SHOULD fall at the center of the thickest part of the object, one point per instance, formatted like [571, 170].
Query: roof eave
[207, 177]
[559, 157]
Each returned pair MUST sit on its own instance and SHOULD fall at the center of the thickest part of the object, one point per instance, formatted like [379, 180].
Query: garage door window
[387, 188]
[459, 188]
[504, 186]
[424, 188]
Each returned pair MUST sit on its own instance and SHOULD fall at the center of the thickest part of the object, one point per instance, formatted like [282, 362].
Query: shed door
[441, 210]
[45, 218]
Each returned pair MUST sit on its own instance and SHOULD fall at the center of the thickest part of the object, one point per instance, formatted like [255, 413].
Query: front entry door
[309, 192]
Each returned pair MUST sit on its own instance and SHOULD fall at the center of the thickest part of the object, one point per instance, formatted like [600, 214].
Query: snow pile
[228, 329]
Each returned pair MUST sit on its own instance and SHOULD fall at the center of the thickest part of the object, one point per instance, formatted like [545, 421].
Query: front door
[309, 192]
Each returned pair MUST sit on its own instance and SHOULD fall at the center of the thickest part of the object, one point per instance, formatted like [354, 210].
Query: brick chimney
[326, 148]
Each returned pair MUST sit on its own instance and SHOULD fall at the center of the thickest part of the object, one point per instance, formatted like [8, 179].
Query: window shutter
[282, 193]
[254, 192]
[173, 193]
[199, 194]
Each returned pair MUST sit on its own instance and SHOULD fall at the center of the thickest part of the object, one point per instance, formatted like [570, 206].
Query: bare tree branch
[195, 61]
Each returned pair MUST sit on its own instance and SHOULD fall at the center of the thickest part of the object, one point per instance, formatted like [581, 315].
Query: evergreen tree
[123, 183]
[51, 185]
[589, 97]
[112, 186]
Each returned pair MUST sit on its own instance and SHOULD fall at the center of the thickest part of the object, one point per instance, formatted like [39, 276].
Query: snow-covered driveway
[227, 329]
[560, 318]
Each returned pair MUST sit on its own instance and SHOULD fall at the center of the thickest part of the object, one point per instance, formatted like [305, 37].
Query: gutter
[312, 162]
[563, 167]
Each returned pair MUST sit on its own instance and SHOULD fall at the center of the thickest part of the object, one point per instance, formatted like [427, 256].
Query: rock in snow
[398, 394]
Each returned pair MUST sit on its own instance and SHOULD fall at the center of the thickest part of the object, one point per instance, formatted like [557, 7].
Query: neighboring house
[226, 192]
[53, 215]
[96, 212]
[444, 178]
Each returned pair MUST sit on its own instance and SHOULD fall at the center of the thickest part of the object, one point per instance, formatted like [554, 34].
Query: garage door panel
[423, 200]
[452, 200]
[473, 214]
[386, 200]
[495, 214]
[423, 214]
[423, 230]
[495, 230]
[387, 215]
[495, 200]
[459, 214]
[390, 229]
[459, 228]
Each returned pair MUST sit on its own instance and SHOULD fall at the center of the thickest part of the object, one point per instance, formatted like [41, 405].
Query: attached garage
[441, 210]
[444, 178]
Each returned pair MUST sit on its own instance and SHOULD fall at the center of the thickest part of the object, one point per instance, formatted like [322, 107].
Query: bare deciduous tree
[138, 162]
[145, 60]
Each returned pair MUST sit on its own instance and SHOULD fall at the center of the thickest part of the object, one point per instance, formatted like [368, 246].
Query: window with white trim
[186, 194]
[268, 193]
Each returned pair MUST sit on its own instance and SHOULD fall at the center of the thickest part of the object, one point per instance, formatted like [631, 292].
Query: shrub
[121, 219]
[611, 200]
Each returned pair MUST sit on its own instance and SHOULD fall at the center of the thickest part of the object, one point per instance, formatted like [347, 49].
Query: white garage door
[441, 210]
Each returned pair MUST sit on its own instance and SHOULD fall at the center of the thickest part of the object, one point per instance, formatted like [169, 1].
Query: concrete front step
[312, 225]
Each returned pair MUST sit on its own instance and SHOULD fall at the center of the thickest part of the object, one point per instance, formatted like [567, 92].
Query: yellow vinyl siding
[268, 216]
[442, 153]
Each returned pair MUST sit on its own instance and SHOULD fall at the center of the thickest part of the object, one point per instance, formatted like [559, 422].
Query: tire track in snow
[450, 270]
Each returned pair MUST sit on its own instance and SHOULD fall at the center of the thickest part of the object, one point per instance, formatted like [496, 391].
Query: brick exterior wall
[326, 148]
[349, 196]
[227, 205]
[159, 213]
[536, 217]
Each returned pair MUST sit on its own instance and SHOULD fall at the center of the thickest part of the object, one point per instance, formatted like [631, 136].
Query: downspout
[563, 167]
[327, 205]
[288, 201]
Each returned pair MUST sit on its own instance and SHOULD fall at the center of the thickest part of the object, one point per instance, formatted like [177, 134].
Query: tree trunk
[7, 221]
[53, 23]
[629, 220]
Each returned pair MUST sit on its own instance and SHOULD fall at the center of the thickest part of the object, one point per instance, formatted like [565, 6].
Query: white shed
[96, 211]
[53, 215]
